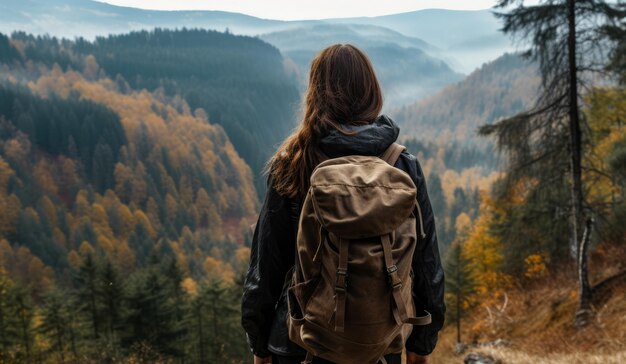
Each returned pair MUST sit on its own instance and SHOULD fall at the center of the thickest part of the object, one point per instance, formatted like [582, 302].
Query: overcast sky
[309, 9]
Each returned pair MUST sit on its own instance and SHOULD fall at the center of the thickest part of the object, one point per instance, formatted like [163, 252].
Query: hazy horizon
[310, 9]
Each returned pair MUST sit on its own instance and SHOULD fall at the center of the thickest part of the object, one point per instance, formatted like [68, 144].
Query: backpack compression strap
[399, 312]
[341, 285]
[392, 153]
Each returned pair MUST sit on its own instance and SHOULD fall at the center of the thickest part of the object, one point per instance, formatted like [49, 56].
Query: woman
[341, 117]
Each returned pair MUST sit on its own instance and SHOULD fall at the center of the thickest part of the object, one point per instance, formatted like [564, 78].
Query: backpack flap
[360, 196]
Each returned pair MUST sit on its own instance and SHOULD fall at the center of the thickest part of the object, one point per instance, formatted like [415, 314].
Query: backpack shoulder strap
[392, 153]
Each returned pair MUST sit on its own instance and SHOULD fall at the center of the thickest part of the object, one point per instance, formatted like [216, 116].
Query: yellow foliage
[470, 178]
[519, 191]
[86, 248]
[92, 69]
[18, 148]
[242, 257]
[6, 253]
[171, 206]
[43, 174]
[5, 174]
[69, 174]
[59, 237]
[128, 220]
[106, 245]
[483, 252]
[218, 270]
[152, 211]
[149, 115]
[462, 223]
[30, 270]
[130, 184]
[81, 205]
[124, 257]
[74, 259]
[10, 207]
[141, 218]
[535, 266]
[49, 210]
[32, 214]
[100, 221]
[190, 286]
[606, 115]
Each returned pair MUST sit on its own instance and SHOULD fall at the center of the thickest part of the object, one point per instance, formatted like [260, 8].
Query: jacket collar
[368, 139]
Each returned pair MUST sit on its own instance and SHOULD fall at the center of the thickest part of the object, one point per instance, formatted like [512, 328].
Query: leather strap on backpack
[341, 285]
[392, 153]
[399, 311]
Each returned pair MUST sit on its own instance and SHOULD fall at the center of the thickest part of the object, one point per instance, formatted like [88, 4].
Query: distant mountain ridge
[466, 39]
[498, 89]
[403, 64]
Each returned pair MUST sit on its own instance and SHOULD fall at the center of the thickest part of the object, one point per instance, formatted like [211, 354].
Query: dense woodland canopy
[124, 218]
[239, 81]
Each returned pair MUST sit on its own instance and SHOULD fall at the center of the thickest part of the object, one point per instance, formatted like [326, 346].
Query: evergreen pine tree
[111, 288]
[88, 292]
[565, 37]
[151, 316]
[24, 313]
[8, 320]
[458, 286]
[56, 325]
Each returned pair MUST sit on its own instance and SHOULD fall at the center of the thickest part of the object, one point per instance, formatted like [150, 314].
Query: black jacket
[264, 308]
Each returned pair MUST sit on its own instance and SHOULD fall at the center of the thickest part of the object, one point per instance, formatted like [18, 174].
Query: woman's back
[321, 135]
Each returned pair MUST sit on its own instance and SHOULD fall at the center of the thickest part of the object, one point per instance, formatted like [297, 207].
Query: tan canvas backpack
[350, 299]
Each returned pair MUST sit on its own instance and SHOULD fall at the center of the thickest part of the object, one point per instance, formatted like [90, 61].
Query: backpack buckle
[341, 280]
[392, 274]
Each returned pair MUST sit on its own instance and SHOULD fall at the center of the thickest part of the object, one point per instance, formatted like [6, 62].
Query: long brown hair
[343, 89]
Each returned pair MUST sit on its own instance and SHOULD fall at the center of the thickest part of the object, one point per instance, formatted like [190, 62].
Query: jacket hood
[368, 139]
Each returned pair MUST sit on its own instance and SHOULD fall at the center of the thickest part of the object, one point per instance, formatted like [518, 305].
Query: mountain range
[415, 54]
[406, 66]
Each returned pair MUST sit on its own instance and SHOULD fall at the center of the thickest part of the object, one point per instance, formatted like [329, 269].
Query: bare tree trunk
[575, 153]
[584, 305]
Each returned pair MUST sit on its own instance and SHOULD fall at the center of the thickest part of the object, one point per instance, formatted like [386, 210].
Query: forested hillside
[455, 176]
[239, 81]
[124, 217]
[498, 89]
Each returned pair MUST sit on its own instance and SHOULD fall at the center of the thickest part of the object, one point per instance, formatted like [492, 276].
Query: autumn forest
[131, 172]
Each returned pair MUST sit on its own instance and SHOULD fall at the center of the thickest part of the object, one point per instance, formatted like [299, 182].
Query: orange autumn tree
[482, 251]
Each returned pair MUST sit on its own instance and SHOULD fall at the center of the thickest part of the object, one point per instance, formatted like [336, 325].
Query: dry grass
[539, 320]
[511, 356]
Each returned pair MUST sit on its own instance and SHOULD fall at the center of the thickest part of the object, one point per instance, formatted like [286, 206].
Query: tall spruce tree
[545, 143]
[457, 284]
[57, 326]
[88, 292]
[8, 320]
[151, 316]
[111, 288]
[24, 313]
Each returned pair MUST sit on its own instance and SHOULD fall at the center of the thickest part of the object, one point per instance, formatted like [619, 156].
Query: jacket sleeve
[428, 283]
[272, 255]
